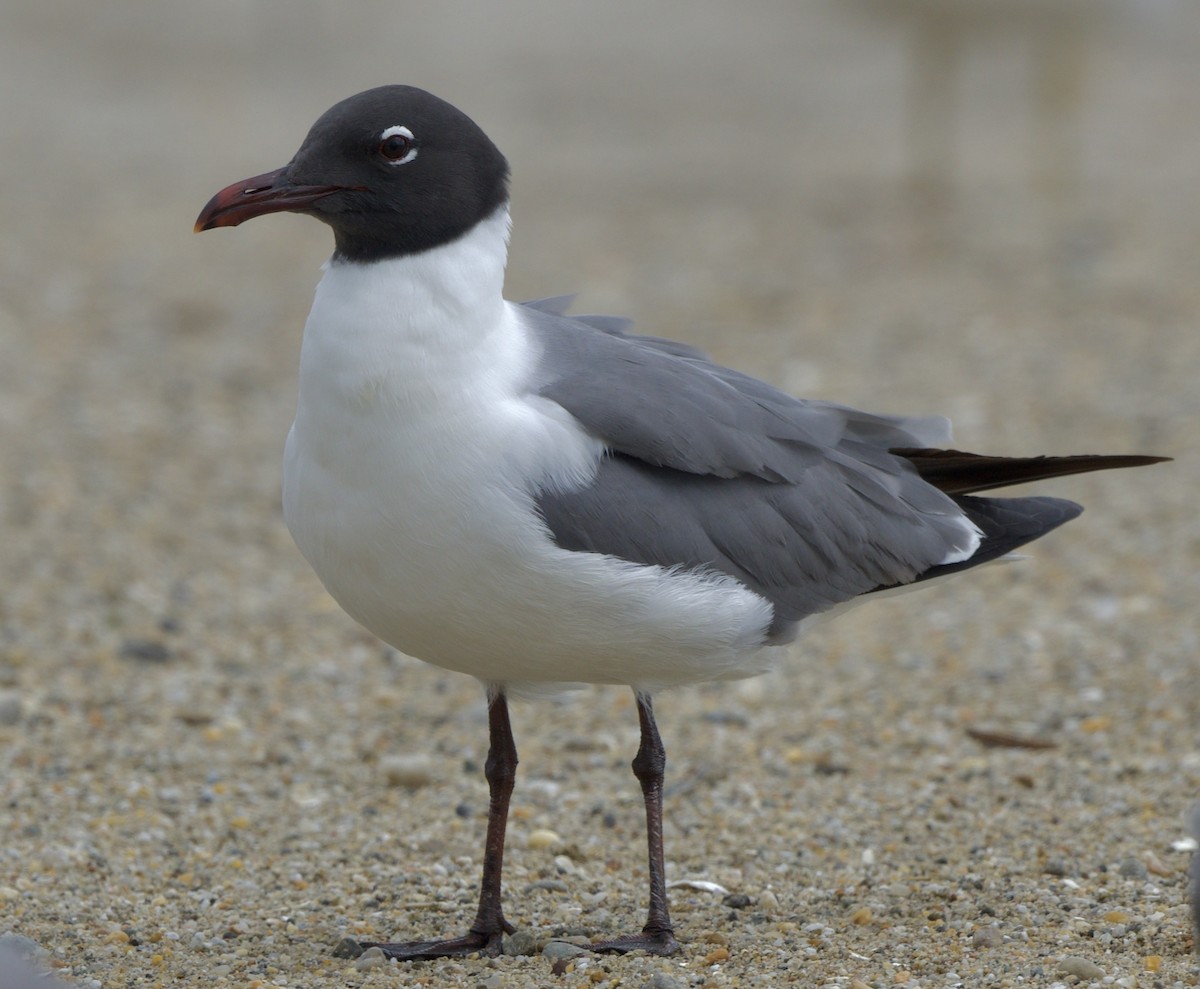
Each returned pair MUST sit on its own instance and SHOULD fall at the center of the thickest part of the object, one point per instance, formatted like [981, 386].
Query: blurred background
[983, 208]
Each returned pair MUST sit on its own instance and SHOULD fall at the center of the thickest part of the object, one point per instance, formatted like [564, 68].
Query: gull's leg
[490, 926]
[656, 937]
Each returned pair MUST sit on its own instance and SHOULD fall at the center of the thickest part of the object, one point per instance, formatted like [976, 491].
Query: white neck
[396, 329]
[451, 280]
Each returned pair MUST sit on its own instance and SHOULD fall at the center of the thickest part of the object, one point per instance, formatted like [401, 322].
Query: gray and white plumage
[538, 500]
[708, 468]
[533, 498]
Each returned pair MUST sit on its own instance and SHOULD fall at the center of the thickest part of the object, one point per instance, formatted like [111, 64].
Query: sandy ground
[211, 775]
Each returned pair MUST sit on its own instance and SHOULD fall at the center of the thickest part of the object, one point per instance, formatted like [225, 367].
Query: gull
[542, 501]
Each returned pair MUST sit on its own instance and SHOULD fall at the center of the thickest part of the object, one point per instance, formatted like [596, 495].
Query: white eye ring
[397, 130]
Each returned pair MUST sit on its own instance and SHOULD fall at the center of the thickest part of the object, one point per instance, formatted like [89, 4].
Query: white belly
[463, 575]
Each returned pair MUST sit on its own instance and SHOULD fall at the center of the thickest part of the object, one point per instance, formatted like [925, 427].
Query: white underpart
[409, 482]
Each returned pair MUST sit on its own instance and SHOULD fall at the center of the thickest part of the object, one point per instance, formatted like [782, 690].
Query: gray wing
[557, 305]
[710, 469]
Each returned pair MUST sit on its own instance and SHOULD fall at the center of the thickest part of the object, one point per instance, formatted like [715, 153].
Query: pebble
[553, 885]
[520, 943]
[543, 838]
[703, 885]
[661, 980]
[371, 958]
[145, 651]
[493, 981]
[987, 937]
[347, 947]
[1055, 867]
[411, 770]
[1132, 868]
[1157, 866]
[1081, 968]
[10, 707]
[563, 949]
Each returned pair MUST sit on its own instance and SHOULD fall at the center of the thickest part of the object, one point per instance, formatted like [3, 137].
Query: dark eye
[397, 145]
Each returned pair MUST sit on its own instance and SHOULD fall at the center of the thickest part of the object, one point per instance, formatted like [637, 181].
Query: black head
[393, 171]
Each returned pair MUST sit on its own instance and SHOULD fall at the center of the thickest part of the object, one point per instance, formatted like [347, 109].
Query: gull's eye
[398, 145]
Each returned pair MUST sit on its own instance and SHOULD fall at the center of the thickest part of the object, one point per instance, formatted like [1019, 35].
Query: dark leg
[490, 926]
[657, 938]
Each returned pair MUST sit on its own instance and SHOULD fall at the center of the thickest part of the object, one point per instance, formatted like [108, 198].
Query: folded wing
[807, 503]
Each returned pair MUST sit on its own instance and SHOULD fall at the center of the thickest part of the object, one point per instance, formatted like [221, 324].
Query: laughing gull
[540, 500]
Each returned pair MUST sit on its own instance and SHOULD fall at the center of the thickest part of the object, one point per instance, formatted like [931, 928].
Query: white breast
[409, 482]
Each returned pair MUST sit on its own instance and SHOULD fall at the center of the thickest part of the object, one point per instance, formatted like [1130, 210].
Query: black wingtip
[1006, 524]
[958, 472]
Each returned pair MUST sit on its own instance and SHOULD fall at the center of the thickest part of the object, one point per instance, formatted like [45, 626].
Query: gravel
[211, 776]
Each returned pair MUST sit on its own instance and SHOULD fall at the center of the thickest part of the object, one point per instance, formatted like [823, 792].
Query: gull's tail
[1005, 523]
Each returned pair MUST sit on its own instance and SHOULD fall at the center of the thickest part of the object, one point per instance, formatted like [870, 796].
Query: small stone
[716, 956]
[543, 838]
[564, 865]
[553, 885]
[145, 651]
[1132, 868]
[703, 885]
[987, 937]
[520, 943]
[347, 947]
[1081, 968]
[371, 958]
[862, 916]
[660, 980]
[562, 949]
[737, 901]
[10, 707]
[410, 770]
[1156, 866]
[493, 981]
